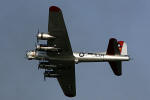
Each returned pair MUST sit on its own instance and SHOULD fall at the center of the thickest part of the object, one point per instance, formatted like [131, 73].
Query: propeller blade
[37, 35]
[44, 78]
[35, 45]
[38, 65]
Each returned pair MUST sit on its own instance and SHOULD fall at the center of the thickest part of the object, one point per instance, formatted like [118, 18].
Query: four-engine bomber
[58, 60]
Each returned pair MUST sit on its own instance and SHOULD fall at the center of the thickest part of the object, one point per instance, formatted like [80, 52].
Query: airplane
[58, 59]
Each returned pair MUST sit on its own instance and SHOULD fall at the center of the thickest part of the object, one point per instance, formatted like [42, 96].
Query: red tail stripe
[120, 45]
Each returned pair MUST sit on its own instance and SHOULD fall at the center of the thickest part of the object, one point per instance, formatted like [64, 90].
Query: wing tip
[113, 39]
[70, 95]
[118, 73]
[54, 9]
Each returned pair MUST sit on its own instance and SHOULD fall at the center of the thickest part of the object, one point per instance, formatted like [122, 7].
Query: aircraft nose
[28, 55]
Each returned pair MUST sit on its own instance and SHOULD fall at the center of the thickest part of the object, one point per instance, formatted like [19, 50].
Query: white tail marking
[122, 48]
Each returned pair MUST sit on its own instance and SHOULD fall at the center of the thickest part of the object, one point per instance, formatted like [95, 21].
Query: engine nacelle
[46, 65]
[50, 74]
[31, 55]
[44, 36]
[43, 47]
[36, 55]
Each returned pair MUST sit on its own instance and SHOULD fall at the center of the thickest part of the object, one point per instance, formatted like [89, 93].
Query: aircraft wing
[67, 80]
[57, 28]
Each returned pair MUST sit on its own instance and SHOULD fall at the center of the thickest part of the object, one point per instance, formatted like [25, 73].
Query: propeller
[35, 46]
[37, 35]
[44, 76]
[26, 51]
[38, 66]
[36, 41]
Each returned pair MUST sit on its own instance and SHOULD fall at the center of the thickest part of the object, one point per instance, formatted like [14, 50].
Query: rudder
[122, 48]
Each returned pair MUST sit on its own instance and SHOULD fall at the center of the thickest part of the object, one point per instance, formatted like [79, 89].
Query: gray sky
[90, 24]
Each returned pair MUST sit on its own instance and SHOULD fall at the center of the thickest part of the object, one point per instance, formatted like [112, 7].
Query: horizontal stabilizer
[116, 66]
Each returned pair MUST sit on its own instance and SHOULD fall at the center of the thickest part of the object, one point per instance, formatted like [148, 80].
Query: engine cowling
[46, 65]
[44, 36]
[51, 74]
[36, 55]
[43, 47]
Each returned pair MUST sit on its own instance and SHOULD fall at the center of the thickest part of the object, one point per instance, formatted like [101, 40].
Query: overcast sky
[90, 24]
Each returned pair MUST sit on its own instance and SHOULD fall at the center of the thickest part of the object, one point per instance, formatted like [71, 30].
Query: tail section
[113, 47]
[116, 48]
[122, 48]
[116, 66]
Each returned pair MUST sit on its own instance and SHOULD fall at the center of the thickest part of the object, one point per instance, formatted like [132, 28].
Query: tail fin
[116, 48]
[113, 47]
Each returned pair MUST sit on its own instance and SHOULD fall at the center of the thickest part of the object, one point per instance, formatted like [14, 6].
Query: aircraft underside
[78, 57]
[58, 60]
